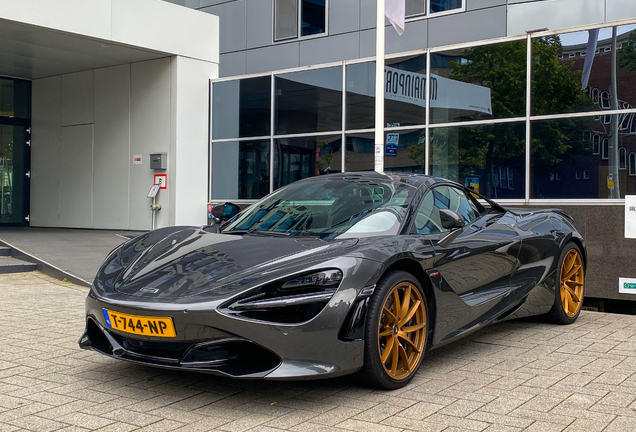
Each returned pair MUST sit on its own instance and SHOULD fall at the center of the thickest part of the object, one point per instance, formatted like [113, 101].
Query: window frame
[411, 229]
[428, 14]
[299, 24]
[632, 172]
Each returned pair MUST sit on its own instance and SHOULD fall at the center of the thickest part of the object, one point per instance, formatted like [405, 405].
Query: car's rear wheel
[395, 332]
[570, 286]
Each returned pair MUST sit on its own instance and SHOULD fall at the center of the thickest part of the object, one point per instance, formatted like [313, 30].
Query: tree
[556, 88]
[627, 54]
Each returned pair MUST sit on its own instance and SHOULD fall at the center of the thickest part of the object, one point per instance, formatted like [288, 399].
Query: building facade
[528, 102]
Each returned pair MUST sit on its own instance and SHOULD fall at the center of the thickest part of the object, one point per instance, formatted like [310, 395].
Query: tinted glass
[575, 158]
[570, 76]
[241, 108]
[309, 101]
[405, 151]
[405, 91]
[445, 5]
[240, 170]
[361, 95]
[13, 166]
[360, 152]
[286, 19]
[299, 158]
[489, 159]
[329, 207]
[428, 221]
[415, 7]
[313, 17]
[478, 83]
[15, 98]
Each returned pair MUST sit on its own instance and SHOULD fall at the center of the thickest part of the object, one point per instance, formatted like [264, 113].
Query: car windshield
[329, 207]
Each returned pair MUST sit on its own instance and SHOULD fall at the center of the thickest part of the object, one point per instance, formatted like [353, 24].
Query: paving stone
[512, 376]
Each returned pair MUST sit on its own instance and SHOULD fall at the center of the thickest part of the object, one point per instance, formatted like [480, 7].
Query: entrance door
[15, 151]
[15, 160]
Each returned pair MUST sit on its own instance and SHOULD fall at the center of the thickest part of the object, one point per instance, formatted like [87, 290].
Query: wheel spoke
[386, 333]
[571, 304]
[413, 328]
[410, 313]
[389, 315]
[387, 349]
[405, 360]
[406, 301]
[409, 342]
[396, 305]
[572, 272]
[573, 294]
[394, 363]
[573, 282]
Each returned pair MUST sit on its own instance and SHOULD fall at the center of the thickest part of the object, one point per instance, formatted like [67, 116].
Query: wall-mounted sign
[154, 190]
[630, 216]
[161, 180]
[136, 159]
[627, 285]
[391, 146]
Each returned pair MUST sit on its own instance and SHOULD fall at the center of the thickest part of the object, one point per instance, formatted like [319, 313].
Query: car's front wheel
[395, 331]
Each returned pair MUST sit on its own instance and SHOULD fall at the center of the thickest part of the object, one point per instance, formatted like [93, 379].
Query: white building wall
[87, 126]
[190, 86]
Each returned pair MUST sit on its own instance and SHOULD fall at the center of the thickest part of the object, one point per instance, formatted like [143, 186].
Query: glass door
[14, 174]
[15, 151]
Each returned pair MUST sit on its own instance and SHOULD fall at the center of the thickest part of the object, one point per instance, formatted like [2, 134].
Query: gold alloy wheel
[572, 283]
[402, 330]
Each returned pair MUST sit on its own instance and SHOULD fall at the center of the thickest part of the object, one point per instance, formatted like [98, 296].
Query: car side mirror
[451, 220]
[225, 211]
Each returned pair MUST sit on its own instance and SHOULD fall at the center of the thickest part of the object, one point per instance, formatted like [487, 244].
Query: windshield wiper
[253, 230]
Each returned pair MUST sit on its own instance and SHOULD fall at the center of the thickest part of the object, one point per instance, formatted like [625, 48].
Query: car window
[427, 219]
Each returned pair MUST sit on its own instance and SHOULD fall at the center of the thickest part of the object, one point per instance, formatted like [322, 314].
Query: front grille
[233, 356]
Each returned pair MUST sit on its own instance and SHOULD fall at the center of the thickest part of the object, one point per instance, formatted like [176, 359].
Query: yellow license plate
[140, 325]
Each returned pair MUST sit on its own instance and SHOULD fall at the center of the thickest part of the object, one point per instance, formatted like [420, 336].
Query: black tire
[373, 372]
[558, 314]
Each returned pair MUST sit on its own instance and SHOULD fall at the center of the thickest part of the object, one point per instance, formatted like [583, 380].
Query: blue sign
[391, 146]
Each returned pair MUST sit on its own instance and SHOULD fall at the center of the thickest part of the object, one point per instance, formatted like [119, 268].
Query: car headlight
[326, 278]
[287, 301]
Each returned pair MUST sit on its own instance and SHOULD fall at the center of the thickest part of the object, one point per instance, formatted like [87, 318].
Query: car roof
[413, 179]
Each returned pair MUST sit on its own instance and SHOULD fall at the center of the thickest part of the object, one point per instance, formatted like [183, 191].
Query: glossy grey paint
[499, 267]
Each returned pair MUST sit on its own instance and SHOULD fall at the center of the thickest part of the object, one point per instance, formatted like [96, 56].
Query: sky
[576, 38]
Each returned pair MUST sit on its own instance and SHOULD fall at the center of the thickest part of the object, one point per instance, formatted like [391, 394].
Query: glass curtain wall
[277, 128]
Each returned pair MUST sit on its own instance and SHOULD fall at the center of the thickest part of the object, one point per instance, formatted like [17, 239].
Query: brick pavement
[510, 377]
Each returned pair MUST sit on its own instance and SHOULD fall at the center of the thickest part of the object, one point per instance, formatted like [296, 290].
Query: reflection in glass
[299, 158]
[405, 91]
[241, 108]
[313, 17]
[360, 95]
[479, 83]
[240, 170]
[445, 5]
[561, 148]
[360, 155]
[568, 78]
[309, 101]
[15, 98]
[12, 173]
[485, 158]
[415, 7]
[405, 151]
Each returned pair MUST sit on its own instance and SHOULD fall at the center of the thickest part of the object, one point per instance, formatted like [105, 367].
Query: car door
[477, 265]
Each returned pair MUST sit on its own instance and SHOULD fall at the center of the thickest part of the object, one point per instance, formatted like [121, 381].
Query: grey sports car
[332, 275]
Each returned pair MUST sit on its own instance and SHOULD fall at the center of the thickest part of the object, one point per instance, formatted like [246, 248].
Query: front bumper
[211, 342]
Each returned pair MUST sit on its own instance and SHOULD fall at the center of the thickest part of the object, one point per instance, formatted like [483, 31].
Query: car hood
[190, 262]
